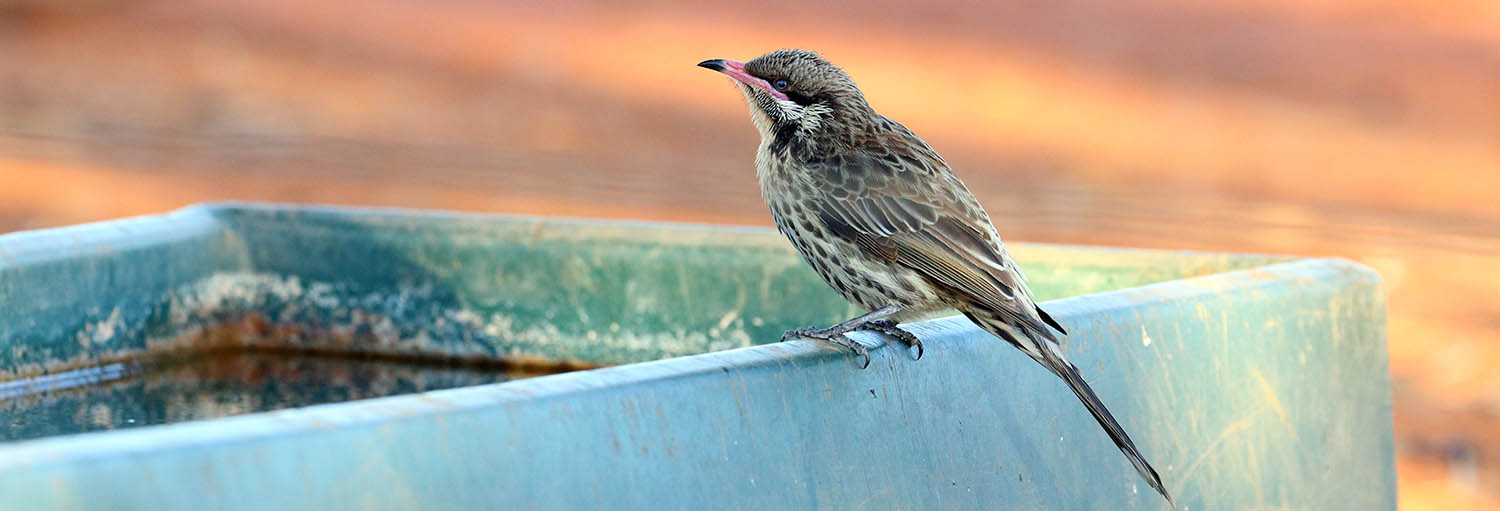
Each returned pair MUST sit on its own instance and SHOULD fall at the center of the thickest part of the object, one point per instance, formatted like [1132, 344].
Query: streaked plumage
[884, 220]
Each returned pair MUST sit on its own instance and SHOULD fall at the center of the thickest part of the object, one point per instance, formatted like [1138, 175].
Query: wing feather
[896, 199]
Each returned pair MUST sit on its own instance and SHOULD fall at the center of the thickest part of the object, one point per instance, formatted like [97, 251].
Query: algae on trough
[220, 384]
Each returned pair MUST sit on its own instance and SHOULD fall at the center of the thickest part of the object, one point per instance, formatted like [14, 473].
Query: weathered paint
[1248, 381]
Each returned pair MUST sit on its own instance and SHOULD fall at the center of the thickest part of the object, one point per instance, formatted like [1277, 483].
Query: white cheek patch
[766, 111]
[786, 110]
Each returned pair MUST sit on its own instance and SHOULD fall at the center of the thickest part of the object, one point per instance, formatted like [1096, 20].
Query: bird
[886, 222]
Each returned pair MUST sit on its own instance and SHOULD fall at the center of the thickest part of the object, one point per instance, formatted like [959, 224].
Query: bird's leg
[873, 320]
[859, 322]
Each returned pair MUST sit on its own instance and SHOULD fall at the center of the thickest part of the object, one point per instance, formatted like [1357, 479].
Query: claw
[859, 349]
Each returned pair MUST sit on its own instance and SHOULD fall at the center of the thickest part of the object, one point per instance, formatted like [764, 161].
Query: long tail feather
[1096, 407]
[1047, 354]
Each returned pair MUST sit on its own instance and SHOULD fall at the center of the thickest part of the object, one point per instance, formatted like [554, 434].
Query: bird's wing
[896, 198]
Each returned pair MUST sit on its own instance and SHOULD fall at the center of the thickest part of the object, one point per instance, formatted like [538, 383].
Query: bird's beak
[736, 70]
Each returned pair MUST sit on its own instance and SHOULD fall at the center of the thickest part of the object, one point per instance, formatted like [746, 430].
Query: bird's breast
[860, 277]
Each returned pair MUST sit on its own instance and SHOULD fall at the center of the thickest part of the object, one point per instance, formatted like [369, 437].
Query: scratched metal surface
[1249, 381]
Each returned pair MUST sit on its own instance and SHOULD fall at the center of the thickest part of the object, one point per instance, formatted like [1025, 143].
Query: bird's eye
[780, 84]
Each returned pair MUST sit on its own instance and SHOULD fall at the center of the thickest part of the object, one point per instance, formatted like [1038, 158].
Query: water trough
[482, 361]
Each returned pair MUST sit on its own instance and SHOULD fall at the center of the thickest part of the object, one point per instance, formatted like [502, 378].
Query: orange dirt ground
[1363, 129]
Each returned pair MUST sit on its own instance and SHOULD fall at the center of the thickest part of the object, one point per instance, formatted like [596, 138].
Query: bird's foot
[833, 335]
[888, 327]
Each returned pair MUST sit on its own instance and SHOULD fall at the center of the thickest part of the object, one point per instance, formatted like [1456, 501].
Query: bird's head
[795, 93]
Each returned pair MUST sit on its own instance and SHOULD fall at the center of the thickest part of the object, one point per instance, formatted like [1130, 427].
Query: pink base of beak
[736, 70]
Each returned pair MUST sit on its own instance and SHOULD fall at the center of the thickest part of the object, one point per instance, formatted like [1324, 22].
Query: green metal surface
[221, 384]
[1248, 381]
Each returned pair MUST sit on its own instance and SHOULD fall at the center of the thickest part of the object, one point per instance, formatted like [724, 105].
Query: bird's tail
[1050, 356]
[1081, 388]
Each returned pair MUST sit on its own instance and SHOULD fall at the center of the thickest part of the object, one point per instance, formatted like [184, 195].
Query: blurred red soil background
[1366, 129]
